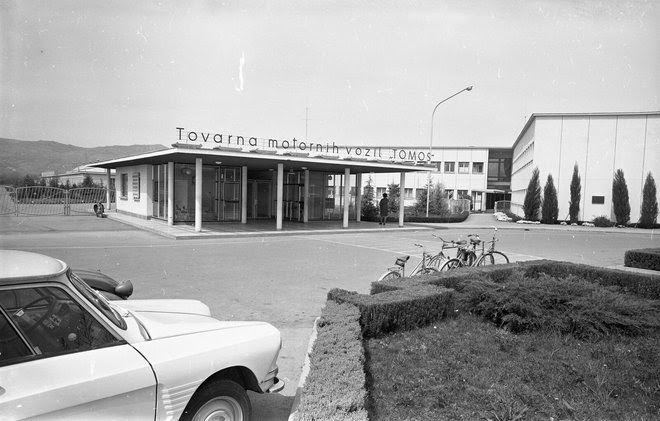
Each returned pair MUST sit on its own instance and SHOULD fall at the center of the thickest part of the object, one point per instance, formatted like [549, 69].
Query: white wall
[451, 181]
[143, 206]
[599, 144]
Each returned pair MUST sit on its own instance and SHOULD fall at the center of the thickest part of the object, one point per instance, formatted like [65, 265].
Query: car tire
[219, 399]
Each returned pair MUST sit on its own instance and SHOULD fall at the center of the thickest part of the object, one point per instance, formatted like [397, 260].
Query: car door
[58, 361]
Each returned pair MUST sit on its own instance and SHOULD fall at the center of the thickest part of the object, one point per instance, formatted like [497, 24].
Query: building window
[136, 186]
[597, 200]
[449, 194]
[124, 186]
[449, 167]
[463, 194]
[499, 169]
[463, 167]
[438, 165]
[477, 168]
[408, 194]
[380, 191]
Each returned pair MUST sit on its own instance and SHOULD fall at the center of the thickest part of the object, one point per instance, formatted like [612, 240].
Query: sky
[92, 73]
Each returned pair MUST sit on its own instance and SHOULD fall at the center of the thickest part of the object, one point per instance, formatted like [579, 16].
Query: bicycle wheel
[451, 265]
[390, 276]
[492, 258]
[436, 262]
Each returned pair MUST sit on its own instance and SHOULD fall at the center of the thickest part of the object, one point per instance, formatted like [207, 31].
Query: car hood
[168, 318]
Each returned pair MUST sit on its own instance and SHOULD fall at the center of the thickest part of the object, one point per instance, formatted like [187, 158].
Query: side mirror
[124, 289]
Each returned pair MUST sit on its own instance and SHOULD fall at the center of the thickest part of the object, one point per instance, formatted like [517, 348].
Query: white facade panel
[599, 144]
[136, 200]
[598, 169]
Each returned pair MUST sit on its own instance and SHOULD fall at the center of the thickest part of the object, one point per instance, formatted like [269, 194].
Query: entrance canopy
[263, 160]
[188, 182]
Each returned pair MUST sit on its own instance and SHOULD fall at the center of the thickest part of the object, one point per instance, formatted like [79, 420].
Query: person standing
[384, 205]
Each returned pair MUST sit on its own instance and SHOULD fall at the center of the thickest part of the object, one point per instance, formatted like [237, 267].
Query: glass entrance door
[259, 199]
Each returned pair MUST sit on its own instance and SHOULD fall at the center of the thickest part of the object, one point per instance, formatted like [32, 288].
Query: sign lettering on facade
[211, 140]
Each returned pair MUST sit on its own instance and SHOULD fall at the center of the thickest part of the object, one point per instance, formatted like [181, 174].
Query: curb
[293, 415]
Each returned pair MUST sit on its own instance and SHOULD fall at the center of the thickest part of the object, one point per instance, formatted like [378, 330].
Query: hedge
[643, 259]
[335, 388]
[459, 217]
[402, 309]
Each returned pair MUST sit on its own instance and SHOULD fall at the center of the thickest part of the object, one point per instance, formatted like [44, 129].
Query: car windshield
[97, 300]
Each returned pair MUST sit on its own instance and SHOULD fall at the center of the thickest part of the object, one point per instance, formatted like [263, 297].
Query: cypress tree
[649, 203]
[532, 202]
[620, 198]
[394, 197]
[576, 195]
[550, 207]
[369, 209]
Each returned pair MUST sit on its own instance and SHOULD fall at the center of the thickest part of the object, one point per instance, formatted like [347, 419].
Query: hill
[19, 158]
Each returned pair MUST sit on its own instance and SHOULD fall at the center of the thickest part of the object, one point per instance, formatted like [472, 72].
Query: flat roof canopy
[263, 160]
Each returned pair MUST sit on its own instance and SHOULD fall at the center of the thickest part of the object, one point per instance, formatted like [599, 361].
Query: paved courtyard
[284, 279]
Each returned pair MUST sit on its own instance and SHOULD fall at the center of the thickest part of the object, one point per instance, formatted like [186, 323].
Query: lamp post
[428, 184]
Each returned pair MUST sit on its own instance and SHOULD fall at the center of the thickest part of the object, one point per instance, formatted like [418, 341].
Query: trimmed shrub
[649, 213]
[457, 217]
[620, 198]
[550, 207]
[335, 388]
[532, 202]
[603, 222]
[402, 309]
[643, 259]
[576, 194]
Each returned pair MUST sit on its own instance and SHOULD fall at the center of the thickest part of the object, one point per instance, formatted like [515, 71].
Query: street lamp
[428, 184]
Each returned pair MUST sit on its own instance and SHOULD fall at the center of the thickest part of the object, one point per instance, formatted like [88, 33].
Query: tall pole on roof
[428, 184]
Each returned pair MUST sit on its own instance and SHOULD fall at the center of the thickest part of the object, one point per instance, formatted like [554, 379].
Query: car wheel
[221, 400]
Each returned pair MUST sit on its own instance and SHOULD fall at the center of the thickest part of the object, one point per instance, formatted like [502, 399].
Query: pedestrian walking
[384, 205]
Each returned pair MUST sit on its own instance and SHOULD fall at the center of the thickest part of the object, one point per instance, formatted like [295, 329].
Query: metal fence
[41, 200]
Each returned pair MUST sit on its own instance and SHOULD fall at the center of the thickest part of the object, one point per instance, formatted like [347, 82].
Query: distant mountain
[19, 157]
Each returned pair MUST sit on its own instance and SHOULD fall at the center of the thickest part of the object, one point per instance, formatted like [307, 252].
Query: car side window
[54, 323]
[11, 344]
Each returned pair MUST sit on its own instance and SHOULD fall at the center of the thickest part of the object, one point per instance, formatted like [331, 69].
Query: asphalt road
[282, 280]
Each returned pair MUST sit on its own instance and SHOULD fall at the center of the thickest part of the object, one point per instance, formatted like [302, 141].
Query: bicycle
[425, 266]
[467, 256]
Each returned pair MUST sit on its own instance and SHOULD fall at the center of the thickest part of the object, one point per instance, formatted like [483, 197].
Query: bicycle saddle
[461, 243]
[475, 240]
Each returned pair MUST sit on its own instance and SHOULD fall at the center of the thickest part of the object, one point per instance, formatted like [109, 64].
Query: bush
[643, 259]
[335, 388]
[620, 198]
[602, 221]
[649, 212]
[401, 309]
[576, 194]
[532, 202]
[457, 217]
[561, 305]
[550, 207]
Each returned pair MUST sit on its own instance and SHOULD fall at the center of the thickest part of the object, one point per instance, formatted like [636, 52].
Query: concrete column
[198, 194]
[306, 198]
[358, 197]
[402, 193]
[170, 193]
[280, 195]
[244, 183]
[108, 184]
[347, 195]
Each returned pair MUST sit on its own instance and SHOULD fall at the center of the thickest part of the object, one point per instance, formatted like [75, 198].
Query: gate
[41, 200]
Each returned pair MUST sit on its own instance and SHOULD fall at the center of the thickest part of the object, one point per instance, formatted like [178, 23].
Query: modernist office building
[481, 174]
[600, 144]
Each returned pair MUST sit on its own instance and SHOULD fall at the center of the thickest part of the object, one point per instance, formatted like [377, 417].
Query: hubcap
[220, 409]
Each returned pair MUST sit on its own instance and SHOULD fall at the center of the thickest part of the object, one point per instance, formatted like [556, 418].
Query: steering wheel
[51, 308]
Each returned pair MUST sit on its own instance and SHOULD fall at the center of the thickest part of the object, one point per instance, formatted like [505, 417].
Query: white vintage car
[68, 353]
